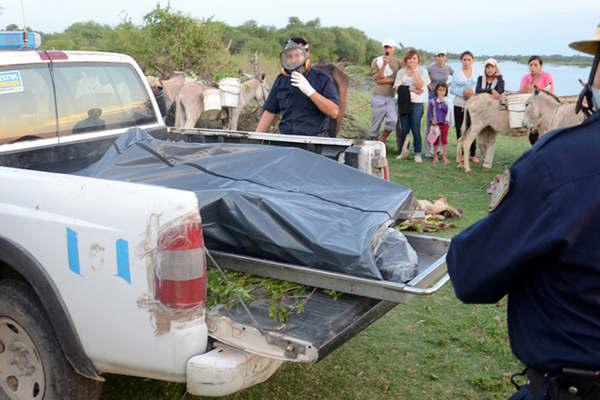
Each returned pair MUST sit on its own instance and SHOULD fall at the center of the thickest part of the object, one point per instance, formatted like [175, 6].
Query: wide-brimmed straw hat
[588, 46]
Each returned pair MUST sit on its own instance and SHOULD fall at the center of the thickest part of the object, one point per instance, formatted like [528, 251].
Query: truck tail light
[386, 172]
[180, 278]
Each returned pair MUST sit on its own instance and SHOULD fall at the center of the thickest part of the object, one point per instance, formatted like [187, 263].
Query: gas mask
[596, 98]
[293, 57]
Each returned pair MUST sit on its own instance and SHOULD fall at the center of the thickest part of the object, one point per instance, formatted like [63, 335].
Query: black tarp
[280, 203]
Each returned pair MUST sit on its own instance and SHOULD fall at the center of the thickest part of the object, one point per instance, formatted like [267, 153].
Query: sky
[484, 27]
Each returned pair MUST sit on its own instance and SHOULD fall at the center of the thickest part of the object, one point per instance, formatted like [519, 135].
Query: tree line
[168, 40]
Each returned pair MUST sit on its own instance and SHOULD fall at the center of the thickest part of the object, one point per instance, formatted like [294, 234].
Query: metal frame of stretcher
[431, 277]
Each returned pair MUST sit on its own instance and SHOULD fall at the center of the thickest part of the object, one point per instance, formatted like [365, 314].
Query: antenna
[23, 11]
[25, 34]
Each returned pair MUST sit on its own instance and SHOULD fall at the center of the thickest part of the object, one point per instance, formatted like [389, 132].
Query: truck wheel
[32, 364]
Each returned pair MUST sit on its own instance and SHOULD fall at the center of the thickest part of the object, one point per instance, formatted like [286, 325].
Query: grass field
[432, 348]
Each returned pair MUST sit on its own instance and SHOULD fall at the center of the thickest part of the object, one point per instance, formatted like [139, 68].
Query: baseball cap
[441, 51]
[389, 43]
[491, 61]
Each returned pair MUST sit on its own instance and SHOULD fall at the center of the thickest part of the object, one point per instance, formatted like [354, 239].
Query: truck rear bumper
[225, 370]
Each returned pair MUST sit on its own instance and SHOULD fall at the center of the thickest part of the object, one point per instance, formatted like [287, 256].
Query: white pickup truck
[101, 276]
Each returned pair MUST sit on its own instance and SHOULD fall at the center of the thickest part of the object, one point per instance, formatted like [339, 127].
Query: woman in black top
[492, 82]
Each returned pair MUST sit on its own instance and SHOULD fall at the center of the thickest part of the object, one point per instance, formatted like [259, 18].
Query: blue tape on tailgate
[123, 268]
[73, 251]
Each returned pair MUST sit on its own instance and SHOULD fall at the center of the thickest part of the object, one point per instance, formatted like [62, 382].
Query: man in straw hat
[540, 245]
[591, 91]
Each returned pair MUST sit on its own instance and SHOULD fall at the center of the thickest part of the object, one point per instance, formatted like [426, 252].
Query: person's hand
[495, 94]
[468, 93]
[434, 123]
[300, 81]
[386, 60]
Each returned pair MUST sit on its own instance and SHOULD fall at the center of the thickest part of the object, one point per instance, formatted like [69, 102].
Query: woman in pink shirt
[536, 77]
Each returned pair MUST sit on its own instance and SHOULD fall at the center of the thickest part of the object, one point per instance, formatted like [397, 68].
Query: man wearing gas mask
[540, 245]
[305, 97]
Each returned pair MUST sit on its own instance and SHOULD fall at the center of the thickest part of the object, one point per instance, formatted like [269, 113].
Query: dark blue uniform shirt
[541, 246]
[299, 115]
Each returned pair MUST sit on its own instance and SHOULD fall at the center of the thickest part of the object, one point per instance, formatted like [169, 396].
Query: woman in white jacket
[463, 87]
[416, 78]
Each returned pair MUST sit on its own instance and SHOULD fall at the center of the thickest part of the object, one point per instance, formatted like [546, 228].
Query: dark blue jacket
[299, 115]
[541, 246]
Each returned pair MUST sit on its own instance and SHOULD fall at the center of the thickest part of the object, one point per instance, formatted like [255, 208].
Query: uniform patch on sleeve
[502, 184]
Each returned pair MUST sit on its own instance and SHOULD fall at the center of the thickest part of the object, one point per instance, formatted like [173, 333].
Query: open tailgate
[326, 323]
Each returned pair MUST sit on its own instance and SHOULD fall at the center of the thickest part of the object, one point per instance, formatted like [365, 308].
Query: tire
[32, 364]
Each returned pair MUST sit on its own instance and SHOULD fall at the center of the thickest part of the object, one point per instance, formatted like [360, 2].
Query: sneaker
[418, 159]
[475, 160]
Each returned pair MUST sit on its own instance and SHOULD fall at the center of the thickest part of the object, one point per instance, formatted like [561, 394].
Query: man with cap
[439, 72]
[383, 106]
[305, 97]
[540, 245]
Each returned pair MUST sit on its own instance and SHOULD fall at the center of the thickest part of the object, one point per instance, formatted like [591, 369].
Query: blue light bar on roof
[16, 40]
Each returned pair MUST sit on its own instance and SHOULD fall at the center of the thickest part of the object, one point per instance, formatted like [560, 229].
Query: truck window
[26, 103]
[94, 97]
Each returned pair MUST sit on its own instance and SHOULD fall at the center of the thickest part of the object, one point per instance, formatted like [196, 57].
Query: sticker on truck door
[10, 82]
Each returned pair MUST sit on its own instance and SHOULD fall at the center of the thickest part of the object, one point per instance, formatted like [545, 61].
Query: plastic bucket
[212, 103]
[230, 92]
[516, 109]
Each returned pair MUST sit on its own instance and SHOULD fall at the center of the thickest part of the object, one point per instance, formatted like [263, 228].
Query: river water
[565, 76]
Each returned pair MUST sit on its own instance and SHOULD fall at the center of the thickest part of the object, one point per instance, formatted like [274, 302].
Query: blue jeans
[411, 122]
